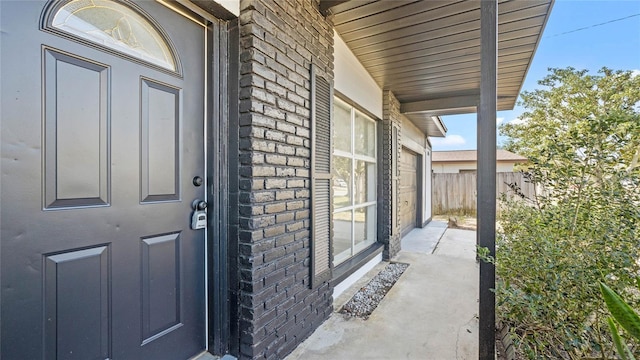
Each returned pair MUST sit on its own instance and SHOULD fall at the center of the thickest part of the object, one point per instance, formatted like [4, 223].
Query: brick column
[390, 230]
[278, 42]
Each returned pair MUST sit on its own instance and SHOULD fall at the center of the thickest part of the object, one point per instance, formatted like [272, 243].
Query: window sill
[350, 266]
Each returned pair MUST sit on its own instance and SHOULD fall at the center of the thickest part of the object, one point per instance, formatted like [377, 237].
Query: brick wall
[390, 232]
[279, 39]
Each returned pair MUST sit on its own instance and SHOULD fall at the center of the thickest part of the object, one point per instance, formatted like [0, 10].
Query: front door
[102, 150]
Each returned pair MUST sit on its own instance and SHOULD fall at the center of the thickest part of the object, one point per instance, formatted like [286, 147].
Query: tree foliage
[579, 121]
[581, 133]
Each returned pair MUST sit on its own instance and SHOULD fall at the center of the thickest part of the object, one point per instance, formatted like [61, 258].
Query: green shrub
[549, 273]
[582, 136]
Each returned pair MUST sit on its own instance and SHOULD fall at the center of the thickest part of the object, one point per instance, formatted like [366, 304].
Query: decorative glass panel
[115, 26]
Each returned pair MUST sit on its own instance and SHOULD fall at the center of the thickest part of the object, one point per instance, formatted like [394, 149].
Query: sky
[584, 34]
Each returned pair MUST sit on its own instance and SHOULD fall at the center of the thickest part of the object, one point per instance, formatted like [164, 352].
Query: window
[354, 181]
[113, 25]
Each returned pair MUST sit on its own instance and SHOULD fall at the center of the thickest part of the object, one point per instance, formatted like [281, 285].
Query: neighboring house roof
[471, 155]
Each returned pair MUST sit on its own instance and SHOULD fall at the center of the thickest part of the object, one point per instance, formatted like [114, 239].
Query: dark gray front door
[100, 146]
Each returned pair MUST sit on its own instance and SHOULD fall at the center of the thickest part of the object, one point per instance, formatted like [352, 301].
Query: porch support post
[486, 211]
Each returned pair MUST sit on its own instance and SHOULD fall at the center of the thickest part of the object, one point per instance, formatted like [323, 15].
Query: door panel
[76, 137]
[98, 152]
[160, 141]
[77, 282]
[160, 285]
[408, 190]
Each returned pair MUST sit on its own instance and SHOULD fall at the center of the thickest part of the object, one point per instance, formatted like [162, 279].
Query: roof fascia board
[442, 128]
[535, 50]
[439, 105]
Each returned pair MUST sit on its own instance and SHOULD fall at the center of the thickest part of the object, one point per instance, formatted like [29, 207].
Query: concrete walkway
[430, 313]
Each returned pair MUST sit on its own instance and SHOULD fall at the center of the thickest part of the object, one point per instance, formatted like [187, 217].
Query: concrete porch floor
[430, 313]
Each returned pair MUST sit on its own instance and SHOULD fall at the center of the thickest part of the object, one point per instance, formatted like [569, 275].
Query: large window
[354, 181]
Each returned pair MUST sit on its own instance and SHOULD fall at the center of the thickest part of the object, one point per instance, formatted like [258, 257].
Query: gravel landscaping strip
[367, 299]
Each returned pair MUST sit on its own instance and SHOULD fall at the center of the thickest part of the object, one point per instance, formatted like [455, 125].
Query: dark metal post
[486, 234]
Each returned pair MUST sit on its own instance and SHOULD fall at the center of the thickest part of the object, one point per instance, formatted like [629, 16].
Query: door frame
[222, 90]
[221, 112]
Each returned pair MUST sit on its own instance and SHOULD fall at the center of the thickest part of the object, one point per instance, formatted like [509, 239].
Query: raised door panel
[76, 131]
[161, 290]
[77, 296]
[159, 141]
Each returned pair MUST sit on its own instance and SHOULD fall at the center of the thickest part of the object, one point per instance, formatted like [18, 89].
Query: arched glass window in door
[116, 26]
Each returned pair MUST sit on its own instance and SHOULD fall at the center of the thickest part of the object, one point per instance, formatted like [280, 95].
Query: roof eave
[432, 67]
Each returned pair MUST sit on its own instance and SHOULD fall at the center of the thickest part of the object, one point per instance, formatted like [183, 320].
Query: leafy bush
[582, 135]
[549, 274]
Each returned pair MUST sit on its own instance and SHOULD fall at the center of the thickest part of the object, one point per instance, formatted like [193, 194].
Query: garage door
[408, 190]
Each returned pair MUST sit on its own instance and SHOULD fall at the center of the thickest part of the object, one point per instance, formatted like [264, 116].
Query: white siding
[352, 80]
[412, 136]
[232, 5]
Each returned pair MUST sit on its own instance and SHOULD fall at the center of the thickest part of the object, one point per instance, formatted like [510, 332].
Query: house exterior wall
[353, 81]
[455, 167]
[278, 42]
[356, 87]
[412, 137]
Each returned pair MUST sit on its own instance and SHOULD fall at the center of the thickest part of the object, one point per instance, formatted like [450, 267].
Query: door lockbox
[199, 217]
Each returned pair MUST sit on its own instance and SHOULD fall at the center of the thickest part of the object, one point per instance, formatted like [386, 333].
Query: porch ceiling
[428, 52]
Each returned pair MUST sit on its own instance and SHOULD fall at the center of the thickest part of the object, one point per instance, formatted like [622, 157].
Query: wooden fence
[456, 193]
